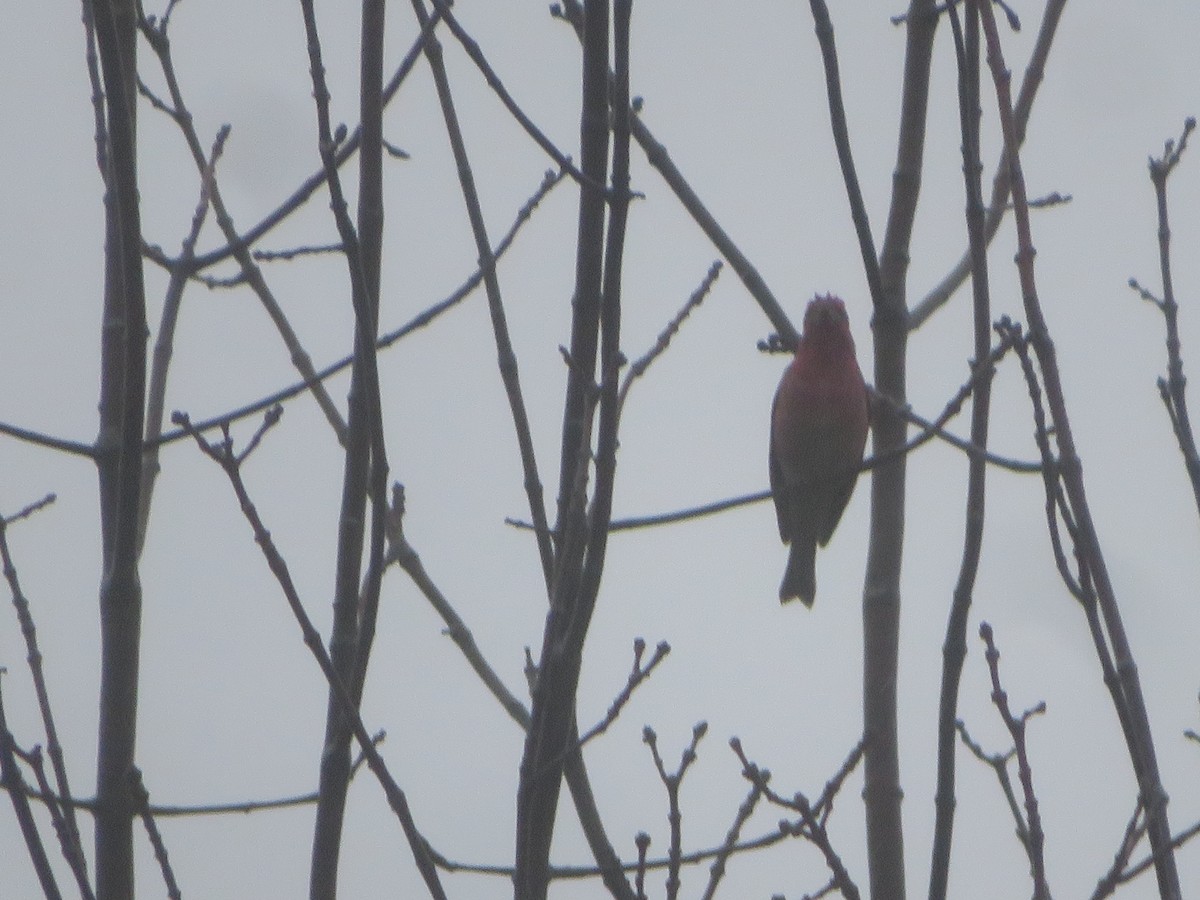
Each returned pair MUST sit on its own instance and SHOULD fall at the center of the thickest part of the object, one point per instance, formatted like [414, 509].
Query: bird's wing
[837, 497]
[779, 490]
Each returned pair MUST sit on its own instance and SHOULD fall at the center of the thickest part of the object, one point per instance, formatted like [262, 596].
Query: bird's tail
[800, 579]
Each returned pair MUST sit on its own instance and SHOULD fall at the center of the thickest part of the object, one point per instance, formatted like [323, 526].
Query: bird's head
[825, 318]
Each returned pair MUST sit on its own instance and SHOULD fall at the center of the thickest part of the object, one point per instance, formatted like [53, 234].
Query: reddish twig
[1129, 699]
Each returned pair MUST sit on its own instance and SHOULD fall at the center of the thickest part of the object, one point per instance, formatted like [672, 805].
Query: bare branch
[811, 825]
[403, 554]
[1129, 699]
[12, 781]
[672, 781]
[1035, 846]
[639, 366]
[639, 674]
[141, 803]
[223, 455]
[1173, 388]
[998, 204]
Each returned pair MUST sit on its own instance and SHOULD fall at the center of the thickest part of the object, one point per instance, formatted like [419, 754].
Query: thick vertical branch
[1141, 744]
[576, 772]
[370, 233]
[119, 444]
[954, 648]
[365, 471]
[881, 595]
[585, 303]
[579, 555]
[611, 360]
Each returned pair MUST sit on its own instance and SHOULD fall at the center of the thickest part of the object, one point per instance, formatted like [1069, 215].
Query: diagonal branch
[998, 202]
[222, 454]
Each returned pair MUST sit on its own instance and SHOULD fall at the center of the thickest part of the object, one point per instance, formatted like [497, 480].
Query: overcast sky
[232, 705]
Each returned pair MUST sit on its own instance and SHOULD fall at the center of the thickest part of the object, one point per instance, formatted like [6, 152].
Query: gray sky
[232, 704]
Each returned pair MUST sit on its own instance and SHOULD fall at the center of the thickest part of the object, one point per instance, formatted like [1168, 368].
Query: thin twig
[1173, 388]
[223, 455]
[38, 439]
[717, 870]
[659, 158]
[400, 550]
[250, 273]
[344, 150]
[13, 782]
[1146, 862]
[63, 814]
[1135, 830]
[419, 321]
[506, 355]
[178, 810]
[1035, 846]
[841, 139]
[810, 826]
[471, 46]
[643, 845]
[639, 674]
[999, 765]
[672, 781]
[164, 344]
[639, 366]
[141, 803]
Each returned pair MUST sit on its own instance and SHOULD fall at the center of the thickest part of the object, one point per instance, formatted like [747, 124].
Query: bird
[819, 422]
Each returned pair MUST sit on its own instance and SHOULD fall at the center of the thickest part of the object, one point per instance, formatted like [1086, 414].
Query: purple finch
[818, 431]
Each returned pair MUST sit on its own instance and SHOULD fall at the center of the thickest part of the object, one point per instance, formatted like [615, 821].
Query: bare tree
[616, 165]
